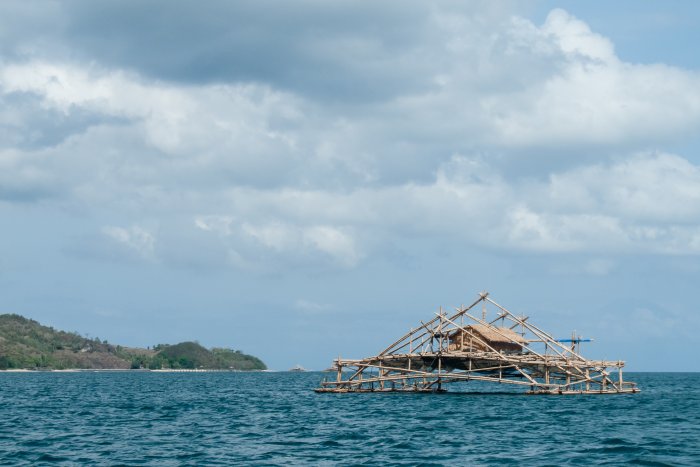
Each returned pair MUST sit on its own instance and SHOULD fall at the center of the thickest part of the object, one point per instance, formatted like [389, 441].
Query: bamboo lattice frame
[449, 349]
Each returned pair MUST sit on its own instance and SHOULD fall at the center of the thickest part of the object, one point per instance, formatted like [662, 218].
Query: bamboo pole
[482, 297]
[560, 372]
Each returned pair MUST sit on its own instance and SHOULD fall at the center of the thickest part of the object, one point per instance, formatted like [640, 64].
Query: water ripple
[138, 418]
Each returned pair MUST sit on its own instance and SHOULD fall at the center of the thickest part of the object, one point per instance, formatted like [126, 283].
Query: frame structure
[497, 347]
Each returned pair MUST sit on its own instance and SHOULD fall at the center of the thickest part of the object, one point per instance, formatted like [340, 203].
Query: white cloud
[223, 128]
[218, 224]
[628, 206]
[498, 86]
[575, 38]
[652, 187]
[592, 97]
[334, 242]
[293, 178]
[252, 241]
[134, 238]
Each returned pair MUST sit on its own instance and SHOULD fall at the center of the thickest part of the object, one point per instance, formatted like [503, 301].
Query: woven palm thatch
[480, 336]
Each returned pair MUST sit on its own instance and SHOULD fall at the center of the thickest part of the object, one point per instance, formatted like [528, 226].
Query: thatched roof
[494, 334]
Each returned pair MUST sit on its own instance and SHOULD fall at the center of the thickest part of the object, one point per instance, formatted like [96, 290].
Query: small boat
[298, 368]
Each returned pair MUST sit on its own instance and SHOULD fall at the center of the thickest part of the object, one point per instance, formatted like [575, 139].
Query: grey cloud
[30, 28]
[24, 192]
[324, 183]
[27, 124]
[487, 76]
[340, 51]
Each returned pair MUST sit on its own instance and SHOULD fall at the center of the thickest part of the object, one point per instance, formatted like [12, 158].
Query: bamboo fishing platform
[498, 347]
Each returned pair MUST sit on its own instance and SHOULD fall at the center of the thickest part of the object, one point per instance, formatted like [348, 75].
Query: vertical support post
[440, 332]
[410, 350]
[461, 331]
[439, 380]
[619, 369]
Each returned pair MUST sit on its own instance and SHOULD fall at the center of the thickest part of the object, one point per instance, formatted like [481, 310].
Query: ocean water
[142, 418]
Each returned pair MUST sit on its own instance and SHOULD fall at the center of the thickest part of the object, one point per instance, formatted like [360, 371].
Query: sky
[302, 180]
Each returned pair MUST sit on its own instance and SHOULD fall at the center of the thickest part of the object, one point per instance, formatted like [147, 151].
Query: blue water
[141, 418]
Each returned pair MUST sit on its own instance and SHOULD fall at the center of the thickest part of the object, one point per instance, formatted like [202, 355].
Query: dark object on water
[498, 347]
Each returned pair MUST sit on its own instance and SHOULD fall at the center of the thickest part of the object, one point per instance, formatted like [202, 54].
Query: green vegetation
[193, 355]
[227, 358]
[24, 343]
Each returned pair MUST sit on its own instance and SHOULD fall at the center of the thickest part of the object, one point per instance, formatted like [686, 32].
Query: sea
[268, 418]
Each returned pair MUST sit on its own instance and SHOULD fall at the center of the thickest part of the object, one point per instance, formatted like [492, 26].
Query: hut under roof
[486, 337]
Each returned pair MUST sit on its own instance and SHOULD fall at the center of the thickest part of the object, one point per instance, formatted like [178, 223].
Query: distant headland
[26, 344]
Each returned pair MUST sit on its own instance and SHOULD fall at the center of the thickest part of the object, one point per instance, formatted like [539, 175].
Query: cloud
[262, 245]
[576, 39]
[448, 80]
[655, 187]
[133, 239]
[465, 205]
[327, 144]
[592, 97]
[342, 51]
[627, 206]
[334, 242]
[174, 120]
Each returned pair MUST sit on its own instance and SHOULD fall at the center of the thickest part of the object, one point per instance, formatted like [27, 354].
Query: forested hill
[24, 343]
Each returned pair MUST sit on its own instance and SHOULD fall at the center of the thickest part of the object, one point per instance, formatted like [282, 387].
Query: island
[26, 344]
